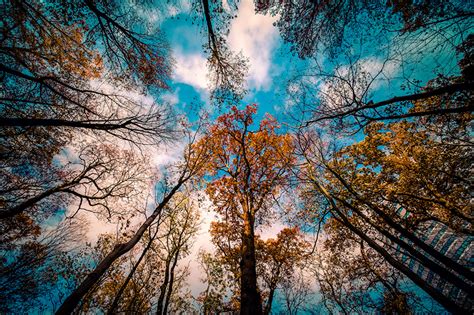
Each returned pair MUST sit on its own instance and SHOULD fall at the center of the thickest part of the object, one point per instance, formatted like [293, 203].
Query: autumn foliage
[362, 203]
[246, 169]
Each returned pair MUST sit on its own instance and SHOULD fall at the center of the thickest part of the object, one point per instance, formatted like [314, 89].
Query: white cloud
[256, 37]
[168, 153]
[170, 98]
[157, 11]
[191, 69]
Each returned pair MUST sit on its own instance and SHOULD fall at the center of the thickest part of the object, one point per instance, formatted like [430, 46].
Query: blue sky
[272, 64]
[254, 36]
[271, 67]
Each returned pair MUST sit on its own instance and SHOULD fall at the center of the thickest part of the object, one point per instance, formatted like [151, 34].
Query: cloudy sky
[253, 35]
[259, 41]
[271, 67]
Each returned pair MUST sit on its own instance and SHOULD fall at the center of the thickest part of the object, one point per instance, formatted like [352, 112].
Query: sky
[253, 35]
[257, 39]
[271, 66]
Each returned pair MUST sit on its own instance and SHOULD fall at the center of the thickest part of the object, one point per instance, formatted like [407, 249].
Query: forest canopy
[237, 157]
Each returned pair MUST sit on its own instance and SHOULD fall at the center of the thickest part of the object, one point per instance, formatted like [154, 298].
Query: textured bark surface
[250, 302]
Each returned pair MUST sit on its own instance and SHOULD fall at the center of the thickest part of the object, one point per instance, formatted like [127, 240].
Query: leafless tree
[185, 170]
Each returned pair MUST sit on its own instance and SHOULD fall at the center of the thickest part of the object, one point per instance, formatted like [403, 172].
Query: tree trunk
[164, 285]
[130, 275]
[445, 273]
[446, 302]
[11, 212]
[447, 261]
[76, 296]
[250, 303]
[52, 122]
[448, 89]
[170, 284]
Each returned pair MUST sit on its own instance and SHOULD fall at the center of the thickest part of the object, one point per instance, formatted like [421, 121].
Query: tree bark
[250, 302]
[210, 30]
[164, 285]
[51, 122]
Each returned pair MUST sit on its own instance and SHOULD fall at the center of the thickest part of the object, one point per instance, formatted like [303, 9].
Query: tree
[278, 260]
[355, 279]
[96, 178]
[180, 227]
[345, 98]
[47, 87]
[191, 165]
[136, 283]
[58, 63]
[390, 189]
[34, 261]
[345, 95]
[76, 72]
[365, 197]
[330, 26]
[227, 70]
[214, 299]
[138, 289]
[296, 291]
[128, 285]
[249, 169]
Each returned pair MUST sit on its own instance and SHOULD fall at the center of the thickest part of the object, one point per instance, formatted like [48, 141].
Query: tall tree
[130, 279]
[72, 73]
[248, 169]
[355, 279]
[277, 260]
[148, 275]
[227, 69]
[34, 262]
[331, 26]
[364, 196]
[60, 60]
[219, 284]
[177, 233]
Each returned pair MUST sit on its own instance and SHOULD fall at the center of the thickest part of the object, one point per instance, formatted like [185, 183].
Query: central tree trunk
[164, 285]
[250, 303]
